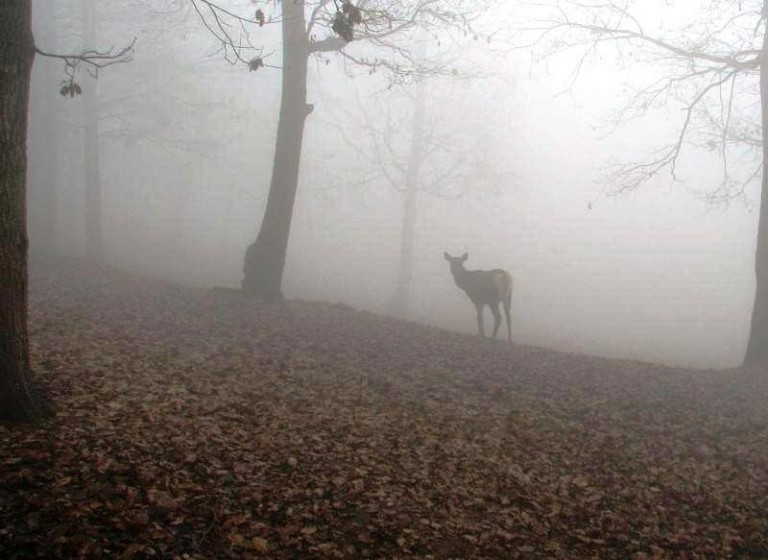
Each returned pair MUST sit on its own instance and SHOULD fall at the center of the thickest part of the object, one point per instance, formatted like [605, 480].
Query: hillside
[201, 424]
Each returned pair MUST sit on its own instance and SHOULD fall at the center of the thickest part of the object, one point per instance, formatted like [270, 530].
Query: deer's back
[488, 286]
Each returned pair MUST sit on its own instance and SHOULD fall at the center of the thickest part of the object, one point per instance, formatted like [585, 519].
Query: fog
[662, 273]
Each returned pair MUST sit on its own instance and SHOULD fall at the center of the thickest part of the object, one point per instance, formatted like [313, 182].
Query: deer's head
[457, 263]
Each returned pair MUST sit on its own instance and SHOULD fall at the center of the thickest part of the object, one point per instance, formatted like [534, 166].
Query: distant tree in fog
[97, 116]
[137, 114]
[94, 234]
[67, 73]
[408, 184]
[716, 68]
[44, 138]
[427, 139]
[314, 29]
[17, 52]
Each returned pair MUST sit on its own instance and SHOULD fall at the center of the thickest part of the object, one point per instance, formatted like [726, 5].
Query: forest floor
[193, 423]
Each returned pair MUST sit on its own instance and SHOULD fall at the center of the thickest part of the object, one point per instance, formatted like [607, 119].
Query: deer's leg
[480, 328]
[507, 306]
[496, 318]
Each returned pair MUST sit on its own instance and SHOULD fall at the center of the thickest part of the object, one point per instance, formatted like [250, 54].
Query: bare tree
[17, 52]
[421, 145]
[315, 29]
[58, 23]
[410, 191]
[714, 69]
[432, 139]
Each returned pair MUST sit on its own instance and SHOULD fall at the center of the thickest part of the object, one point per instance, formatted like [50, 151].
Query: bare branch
[94, 58]
[232, 31]
[705, 64]
[381, 25]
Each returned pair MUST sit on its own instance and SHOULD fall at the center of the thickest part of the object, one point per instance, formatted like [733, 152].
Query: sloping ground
[200, 424]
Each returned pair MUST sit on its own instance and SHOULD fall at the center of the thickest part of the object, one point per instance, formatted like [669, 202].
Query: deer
[484, 287]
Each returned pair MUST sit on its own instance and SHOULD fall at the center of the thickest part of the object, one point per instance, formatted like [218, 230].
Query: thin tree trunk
[94, 236]
[757, 348]
[400, 305]
[265, 258]
[94, 240]
[401, 300]
[16, 56]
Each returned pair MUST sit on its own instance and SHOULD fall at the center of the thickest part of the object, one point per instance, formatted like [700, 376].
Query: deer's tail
[503, 282]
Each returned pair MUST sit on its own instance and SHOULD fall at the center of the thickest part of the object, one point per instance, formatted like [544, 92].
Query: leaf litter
[194, 423]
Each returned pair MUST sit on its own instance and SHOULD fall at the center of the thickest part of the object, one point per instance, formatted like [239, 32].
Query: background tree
[94, 235]
[17, 52]
[316, 29]
[401, 298]
[43, 137]
[715, 68]
[147, 117]
[420, 141]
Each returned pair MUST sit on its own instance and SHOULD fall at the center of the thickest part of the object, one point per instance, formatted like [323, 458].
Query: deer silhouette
[484, 287]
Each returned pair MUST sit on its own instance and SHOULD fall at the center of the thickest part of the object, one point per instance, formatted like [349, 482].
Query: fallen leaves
[191, 424]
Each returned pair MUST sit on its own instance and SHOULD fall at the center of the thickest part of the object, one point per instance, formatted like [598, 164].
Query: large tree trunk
[16, 55]
[265, 258]
[757, 349]
[401, 300]
[94, 240]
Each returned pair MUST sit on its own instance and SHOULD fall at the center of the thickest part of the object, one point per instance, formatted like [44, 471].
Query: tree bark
[757, 348]
[94, 237]
[16, 56]
[265, 258]
[401, 300]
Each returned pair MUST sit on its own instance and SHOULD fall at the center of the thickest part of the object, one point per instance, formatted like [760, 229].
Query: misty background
[185, 146]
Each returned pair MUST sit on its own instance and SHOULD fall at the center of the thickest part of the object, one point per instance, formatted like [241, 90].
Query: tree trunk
[265, 258]
[757, 348]
[401, 300]
[16, 56]
[94, 240]
[94, 237]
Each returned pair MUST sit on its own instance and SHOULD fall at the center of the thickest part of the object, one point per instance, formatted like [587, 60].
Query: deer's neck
[461, 277]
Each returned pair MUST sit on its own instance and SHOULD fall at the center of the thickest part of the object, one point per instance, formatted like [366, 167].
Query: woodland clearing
[195, 423]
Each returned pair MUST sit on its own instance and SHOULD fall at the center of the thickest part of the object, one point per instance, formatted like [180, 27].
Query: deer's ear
[464, 257]
[447, 256]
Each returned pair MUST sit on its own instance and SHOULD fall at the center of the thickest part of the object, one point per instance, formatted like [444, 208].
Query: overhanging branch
[94, 58]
